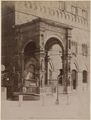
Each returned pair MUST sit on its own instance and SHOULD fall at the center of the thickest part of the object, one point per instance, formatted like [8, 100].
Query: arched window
[84, 76]
[69, 44]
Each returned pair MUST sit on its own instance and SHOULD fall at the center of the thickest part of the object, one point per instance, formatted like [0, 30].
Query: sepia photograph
[45, 60]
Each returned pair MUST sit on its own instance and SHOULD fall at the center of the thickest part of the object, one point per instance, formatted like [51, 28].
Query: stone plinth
[3, 93]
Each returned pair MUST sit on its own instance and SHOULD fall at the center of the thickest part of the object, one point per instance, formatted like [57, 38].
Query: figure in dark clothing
[60, 77]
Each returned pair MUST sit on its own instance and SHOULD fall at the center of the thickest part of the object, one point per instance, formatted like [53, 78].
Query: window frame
[84, 50]
[84, 73]
[84, 14]
[72, 11]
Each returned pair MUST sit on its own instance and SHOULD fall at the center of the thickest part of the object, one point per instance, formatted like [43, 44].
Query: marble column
[22, 68]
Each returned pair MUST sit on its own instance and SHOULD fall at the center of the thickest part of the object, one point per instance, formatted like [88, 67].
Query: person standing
[60, 77]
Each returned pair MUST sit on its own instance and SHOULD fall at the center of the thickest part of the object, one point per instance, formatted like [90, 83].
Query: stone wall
[27, 11]
[8, 40]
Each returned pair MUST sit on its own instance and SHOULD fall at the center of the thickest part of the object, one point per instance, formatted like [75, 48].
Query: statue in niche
[28, 77]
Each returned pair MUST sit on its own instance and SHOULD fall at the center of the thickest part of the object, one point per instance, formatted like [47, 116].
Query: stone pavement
[73, 106]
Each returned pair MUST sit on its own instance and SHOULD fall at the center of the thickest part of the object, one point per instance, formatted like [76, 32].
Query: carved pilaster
[41, 57]
[22, 67]
[67, 61]
[42, 68]
[41, 41]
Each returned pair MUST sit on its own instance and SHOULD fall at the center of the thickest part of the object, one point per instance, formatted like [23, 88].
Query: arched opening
[29, 50]
[84, 76]
[31, 69]
[74, 78]
[53, 61]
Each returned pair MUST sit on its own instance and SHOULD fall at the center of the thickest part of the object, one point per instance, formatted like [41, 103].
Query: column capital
[21, 53]
[69, 35]
[40, 52]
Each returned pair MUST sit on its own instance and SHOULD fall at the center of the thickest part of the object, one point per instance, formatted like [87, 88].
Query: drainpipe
[67, 58]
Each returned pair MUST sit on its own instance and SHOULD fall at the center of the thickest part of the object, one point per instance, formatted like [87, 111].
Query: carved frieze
[38, 29]
[52, 27]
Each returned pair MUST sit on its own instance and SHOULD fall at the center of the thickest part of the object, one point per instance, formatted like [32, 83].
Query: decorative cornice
[61, 14]
[47, 21]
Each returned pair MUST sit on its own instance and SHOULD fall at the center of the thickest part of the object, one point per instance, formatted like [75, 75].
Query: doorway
[74, 79]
